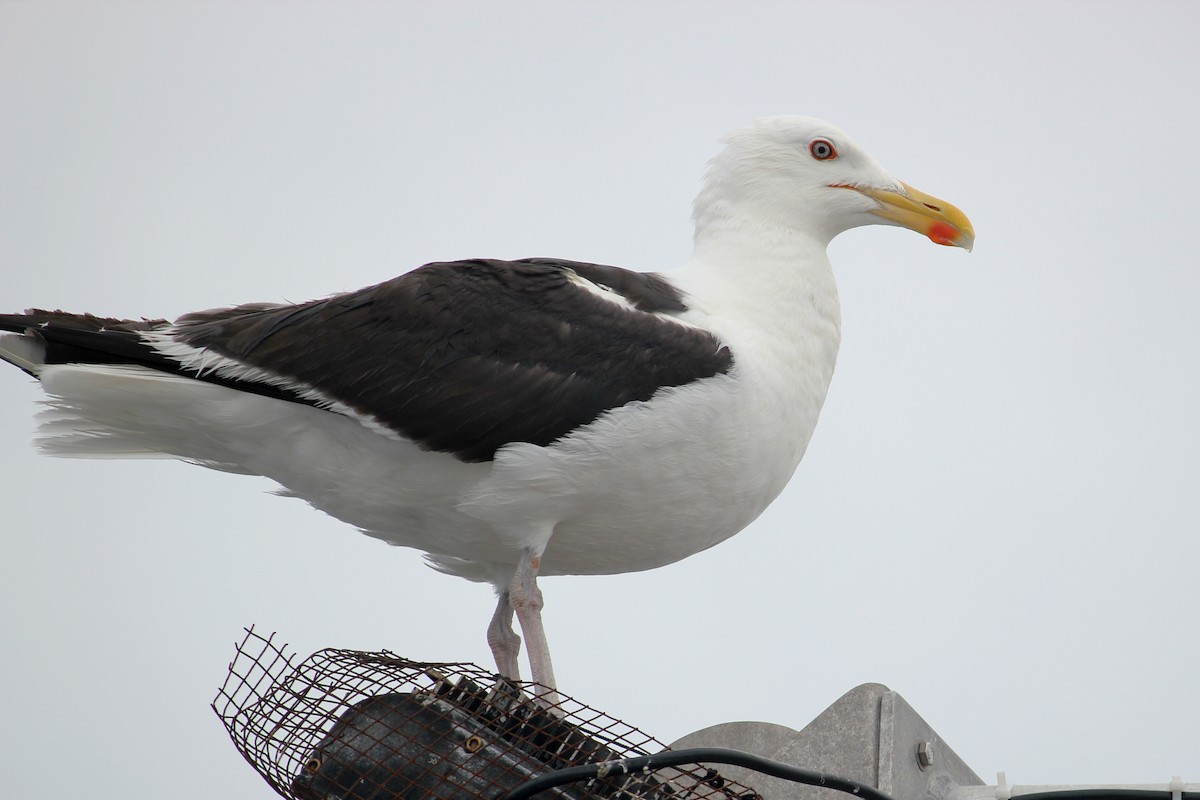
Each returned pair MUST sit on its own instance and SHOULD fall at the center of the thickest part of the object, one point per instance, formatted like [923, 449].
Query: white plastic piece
[1177, 785]
[1004, 791]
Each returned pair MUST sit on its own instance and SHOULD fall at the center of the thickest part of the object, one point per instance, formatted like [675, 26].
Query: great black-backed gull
[516, 418]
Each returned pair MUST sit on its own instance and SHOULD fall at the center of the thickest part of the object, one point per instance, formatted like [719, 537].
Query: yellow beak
[927, 215]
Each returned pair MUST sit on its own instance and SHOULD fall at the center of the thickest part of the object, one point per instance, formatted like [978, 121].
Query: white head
[805, 174]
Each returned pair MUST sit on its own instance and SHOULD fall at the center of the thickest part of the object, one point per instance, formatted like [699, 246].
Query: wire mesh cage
[374, 726]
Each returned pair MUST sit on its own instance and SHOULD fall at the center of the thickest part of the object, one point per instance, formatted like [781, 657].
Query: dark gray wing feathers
[462, 357]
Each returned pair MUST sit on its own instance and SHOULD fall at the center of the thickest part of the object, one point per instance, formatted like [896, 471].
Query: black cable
[695, 755]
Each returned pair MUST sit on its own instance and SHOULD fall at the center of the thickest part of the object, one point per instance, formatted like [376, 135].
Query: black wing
[462, 357]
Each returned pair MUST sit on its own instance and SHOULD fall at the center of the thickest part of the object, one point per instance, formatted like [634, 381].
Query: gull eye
[313, 764]
[822, 149]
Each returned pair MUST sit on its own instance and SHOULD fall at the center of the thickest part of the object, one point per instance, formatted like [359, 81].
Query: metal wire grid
[375, 726]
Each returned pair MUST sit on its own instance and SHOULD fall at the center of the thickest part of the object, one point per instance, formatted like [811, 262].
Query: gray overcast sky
[997, 517]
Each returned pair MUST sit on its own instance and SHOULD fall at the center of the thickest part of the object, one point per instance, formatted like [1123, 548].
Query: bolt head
[925, 755]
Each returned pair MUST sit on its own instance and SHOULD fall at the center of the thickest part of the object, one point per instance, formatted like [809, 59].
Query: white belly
[645, 485]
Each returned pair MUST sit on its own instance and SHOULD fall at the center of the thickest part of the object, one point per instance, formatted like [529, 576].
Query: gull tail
[61, 350]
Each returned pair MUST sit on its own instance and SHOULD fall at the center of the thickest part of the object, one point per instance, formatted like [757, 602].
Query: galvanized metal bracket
[870, 735]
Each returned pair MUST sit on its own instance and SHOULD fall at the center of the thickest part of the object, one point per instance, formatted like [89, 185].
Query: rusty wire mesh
[375, 726]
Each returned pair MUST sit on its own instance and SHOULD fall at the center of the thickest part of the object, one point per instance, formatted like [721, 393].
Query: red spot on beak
[942, 233]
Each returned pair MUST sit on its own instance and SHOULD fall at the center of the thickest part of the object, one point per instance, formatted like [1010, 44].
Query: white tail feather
[128, 411]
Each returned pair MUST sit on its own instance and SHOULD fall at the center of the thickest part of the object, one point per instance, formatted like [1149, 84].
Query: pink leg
[526, 601]
[505, 643]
